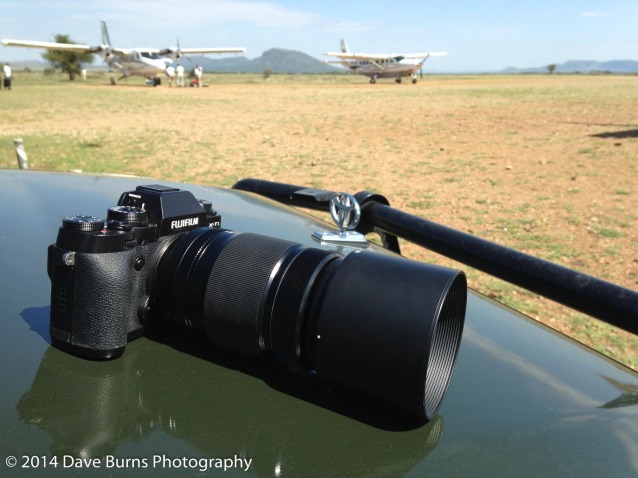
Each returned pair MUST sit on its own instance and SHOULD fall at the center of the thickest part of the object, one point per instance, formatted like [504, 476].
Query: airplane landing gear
[398, 80]
[154, 81]
[373, 79]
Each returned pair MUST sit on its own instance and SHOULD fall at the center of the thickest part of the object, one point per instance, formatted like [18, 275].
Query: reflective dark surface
[523, 401]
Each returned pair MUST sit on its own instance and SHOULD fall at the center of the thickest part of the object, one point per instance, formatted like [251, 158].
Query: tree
[67, 61]
[551, 68]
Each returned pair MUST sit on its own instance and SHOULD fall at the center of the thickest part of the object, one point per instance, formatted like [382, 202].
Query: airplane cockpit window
[152, 56]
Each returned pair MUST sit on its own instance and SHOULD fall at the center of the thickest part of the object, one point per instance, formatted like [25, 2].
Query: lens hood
[391, 329]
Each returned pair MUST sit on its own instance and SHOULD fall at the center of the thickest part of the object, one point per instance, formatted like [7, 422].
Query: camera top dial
[126, 217]
[83, 223]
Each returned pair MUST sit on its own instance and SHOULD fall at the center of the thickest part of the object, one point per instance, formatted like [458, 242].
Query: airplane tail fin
[106, 41]
[344, 46]
[106, 50]
[178, 51]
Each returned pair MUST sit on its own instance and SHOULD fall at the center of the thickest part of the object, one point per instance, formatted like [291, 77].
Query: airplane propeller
[174, 53]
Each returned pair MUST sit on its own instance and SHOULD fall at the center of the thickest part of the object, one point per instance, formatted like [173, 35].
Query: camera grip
[91, 302]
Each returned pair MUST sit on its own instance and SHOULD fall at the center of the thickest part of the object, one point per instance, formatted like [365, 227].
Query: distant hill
[279, 60]
[582, 66]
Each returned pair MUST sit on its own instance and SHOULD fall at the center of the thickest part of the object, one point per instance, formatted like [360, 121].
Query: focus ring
[236, 286]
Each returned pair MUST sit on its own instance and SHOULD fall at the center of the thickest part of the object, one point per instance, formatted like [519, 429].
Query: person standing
[6, 70]
[179, 70]
[170, 73]
[198, 74]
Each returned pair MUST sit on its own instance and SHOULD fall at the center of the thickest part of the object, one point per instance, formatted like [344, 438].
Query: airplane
[146, 62]
[379, 65]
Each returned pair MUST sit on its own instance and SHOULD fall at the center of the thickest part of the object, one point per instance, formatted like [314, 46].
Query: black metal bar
[609, 302]
[300, 196]
[388, 240]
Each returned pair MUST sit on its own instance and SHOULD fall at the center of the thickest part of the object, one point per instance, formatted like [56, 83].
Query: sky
[486, 35]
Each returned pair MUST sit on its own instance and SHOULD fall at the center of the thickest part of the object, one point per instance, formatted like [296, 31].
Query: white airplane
[146, 62]
[379, 65]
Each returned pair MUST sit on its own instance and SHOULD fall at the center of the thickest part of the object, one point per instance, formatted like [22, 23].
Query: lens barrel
[381, 324]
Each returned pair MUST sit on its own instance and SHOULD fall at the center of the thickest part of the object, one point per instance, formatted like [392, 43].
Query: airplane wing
[199, 51]
[423, 55]
[382, 56]
[51, 45]
[65, 46]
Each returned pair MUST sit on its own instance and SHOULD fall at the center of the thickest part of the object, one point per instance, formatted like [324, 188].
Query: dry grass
[545, 164]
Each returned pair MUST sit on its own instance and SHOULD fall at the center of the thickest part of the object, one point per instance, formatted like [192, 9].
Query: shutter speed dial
[126, 217]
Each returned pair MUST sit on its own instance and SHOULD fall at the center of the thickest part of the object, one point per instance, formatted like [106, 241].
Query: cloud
[595, 14]
[342, 26]
[194, 13]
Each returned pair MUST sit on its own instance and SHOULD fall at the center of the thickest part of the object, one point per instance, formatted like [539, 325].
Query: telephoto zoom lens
[386, 326]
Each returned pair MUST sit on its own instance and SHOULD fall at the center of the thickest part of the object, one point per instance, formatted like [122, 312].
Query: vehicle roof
[524, 400]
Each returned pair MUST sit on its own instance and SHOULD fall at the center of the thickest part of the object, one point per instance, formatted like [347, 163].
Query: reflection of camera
[380, 324]
[92, 410]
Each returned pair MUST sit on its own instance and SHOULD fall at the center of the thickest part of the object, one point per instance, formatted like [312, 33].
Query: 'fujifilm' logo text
[191, 221]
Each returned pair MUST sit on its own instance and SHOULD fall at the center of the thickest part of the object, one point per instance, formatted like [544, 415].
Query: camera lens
[381, 324]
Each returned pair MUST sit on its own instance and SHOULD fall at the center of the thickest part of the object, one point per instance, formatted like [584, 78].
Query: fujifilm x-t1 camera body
[379, 323]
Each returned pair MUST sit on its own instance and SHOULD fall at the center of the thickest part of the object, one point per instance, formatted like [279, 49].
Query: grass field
[545, 164]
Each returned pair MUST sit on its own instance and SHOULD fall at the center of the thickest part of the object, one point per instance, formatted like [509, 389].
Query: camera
[380, 324]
